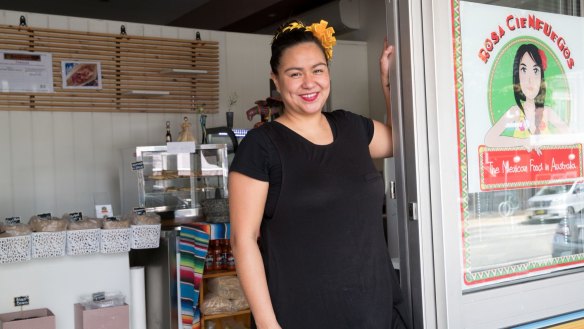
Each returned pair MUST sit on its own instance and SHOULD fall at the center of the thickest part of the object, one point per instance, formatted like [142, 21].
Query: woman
[530, 116]
[306, 186]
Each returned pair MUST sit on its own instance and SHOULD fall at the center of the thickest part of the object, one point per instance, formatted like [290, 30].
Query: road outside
[496, 241]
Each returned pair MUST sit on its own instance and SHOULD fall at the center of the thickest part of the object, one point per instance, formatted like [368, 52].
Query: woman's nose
[308, 81]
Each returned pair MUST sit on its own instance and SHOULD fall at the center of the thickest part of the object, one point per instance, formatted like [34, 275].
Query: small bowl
[216, 210]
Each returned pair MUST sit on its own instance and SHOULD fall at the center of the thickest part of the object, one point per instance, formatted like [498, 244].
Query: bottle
[168, 135]
[224, 253]
[230, 258]
[209, 258]
[229, 119]
[203, 121]
[217, 255]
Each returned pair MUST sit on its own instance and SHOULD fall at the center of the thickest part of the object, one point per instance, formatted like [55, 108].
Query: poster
[523, 76]
[519, 77]
[81, 75]
[26, 72]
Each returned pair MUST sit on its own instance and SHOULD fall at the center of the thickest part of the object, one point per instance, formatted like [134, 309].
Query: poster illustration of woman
[529, 116]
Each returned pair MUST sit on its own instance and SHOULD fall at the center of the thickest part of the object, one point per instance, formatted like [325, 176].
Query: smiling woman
[305, 185]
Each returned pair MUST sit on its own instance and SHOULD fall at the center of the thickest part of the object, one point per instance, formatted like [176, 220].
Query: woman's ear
[275, 80]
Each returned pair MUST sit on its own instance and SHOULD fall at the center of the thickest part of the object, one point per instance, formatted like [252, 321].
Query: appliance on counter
[225, 135]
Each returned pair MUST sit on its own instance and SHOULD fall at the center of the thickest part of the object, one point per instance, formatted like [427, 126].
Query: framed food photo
[81, 75]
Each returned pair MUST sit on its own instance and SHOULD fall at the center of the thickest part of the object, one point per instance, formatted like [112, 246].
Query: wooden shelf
[216, 274]
[147, 93]
[139, 74]
[244, 315]
[225, 315]
[183, 71]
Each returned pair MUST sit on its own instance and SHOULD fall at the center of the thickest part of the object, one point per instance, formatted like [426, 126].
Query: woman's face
[529, 76]
[303, 78]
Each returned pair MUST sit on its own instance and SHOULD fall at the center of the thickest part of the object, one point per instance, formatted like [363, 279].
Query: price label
[21, 301]
[139, 211]
[98, 296]
[112, 219]
[139, 165]
[12, 220]
[75, 216]
[45, 216]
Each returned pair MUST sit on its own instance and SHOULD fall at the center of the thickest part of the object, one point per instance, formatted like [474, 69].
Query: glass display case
[180, 181]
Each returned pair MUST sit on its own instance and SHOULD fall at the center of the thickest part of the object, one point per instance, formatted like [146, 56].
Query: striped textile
[193, 244]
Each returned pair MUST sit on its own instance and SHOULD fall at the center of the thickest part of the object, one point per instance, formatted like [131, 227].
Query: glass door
[489, 170]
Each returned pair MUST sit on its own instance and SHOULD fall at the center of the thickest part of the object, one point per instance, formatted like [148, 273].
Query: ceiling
[247, 16]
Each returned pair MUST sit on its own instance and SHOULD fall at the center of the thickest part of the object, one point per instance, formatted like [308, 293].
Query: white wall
[59, 283]
[372, 31]
[349, 80]
[62, 161]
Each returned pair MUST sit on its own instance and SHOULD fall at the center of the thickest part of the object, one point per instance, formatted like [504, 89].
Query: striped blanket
[193, 244]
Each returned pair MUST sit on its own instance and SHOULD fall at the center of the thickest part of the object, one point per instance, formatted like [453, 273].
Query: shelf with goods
[242, 315]
[221, 320]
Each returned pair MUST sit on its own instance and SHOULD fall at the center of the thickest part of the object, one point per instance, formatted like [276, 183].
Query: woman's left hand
[381, 145]
[385, 61]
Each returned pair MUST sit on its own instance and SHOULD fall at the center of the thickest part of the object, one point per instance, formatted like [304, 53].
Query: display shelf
[225, 315]
[153, 93]
[162, 193]
[217, 173]
[177, 181]
[216, 274]
[183, 71]
[211, 317]
[155, 192]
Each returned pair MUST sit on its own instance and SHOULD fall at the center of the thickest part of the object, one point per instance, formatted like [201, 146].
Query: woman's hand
[381, 145]
[530, 146]
[385, 63]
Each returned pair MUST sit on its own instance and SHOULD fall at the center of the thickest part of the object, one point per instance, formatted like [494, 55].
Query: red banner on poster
[504, 168]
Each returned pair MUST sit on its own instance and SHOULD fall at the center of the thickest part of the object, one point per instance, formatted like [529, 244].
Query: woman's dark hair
[289, 38]
[533, 52]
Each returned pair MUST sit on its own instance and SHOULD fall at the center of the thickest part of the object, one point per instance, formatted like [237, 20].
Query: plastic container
[110, 299]
[115, 240]
[145, 236]
[48, 244]
[15, 249]
[83, 242]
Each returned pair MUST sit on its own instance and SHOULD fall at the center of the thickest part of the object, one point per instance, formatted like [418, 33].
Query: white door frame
[427, 176]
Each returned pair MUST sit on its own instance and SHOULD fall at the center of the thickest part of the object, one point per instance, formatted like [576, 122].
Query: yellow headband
[320, 30]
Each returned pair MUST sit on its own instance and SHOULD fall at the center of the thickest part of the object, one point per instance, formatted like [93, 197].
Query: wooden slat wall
[127, 63]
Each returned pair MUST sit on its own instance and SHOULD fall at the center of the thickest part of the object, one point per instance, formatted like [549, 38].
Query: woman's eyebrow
[293, 69]
[300, 68]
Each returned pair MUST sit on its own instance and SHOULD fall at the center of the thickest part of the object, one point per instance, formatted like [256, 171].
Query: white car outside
[556, 202]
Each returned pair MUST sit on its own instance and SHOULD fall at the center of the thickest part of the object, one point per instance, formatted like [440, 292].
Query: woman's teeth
[309, 97]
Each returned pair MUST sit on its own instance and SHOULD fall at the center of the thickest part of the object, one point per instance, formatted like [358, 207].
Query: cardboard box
[41, 318]
[116, 317]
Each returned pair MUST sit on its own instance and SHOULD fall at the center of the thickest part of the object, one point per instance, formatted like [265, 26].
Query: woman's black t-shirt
[321, 235]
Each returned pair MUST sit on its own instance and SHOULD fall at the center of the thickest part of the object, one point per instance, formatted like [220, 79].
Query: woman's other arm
[560, 125]
[247, 198]
[381, 145]
[493, 137]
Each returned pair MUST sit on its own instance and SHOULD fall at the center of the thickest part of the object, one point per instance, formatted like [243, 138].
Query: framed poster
[519, 105]
[26, 72]
[81, 75]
